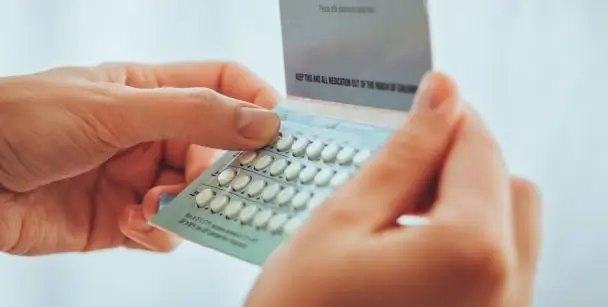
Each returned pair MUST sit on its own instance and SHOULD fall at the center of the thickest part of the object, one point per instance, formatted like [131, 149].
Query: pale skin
[85, 153]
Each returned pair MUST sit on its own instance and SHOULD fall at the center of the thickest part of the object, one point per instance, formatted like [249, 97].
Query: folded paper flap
[367, 53]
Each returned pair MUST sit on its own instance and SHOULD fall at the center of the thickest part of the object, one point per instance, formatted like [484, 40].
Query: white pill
[256, 187]
[317, 200]
[299, 147]
[278, 166]
[226, 176]
[262, 218]
[330, 152]
[276, 222]
[300, 200]
[339, 179]
[218, 203]
[362, 157]
[262, 162]
[323, 177]
[233, 208]
[285, 142]
[308, 174]
[241, 182]
[314, 150]
[293, 170]
[204, 197]
[292, 225]
[271, 191]
[346, 155]
[248, 213]
[247, 157]
[285, 196]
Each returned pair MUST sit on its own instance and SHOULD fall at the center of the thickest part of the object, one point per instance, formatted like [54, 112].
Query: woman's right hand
[480, 248]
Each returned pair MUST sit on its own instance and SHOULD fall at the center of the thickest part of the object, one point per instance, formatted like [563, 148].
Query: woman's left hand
[79, 147]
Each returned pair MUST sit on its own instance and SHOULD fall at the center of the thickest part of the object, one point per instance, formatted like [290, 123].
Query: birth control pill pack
[248, 202]
[351, 72]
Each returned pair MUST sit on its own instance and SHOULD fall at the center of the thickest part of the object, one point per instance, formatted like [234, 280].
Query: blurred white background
[536, 70]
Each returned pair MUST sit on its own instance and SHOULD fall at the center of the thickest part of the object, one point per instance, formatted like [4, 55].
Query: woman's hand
[79, 147]
[480, 248]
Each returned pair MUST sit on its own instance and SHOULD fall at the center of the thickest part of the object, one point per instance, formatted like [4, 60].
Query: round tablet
[204, 197]
[226, 176]
[292, 225]
[262, 218]
[276, 222]
[362, 157]
[248, 213]
[233, 208]
[285, 196]
[256, 187]
[278, 166]
[300, 200]
[308, 174]
[299, 147]
[285, 142]
[241, 182]
[339, 179]
[346, 155]
[218, 203]
[293, 170]
[314, 150]
[262, 162]
[247, 157]
[330, 152]
[323, 177]
[271, 191]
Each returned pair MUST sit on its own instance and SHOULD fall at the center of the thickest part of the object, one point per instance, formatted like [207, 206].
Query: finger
[151, 200]
[174, 153]
[474, 183]
[391, 183]
[229, 78]
[526, 203]
[169, 176]
[196, 115]
[425, 202]
[135, 226]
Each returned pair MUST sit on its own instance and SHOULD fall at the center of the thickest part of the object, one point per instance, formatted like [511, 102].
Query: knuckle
[203, 97]
[483, 256]
[115, 71]
[130, 73]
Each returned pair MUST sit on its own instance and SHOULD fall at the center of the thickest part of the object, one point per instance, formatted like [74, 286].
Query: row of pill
[291, 170]
[257, 217]
[318, 150]
[265, 191]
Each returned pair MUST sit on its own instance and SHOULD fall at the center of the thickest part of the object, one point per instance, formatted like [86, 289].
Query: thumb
[392, 183]
[197, 115]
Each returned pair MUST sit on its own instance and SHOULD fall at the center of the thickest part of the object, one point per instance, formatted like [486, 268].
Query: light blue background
[536, 70]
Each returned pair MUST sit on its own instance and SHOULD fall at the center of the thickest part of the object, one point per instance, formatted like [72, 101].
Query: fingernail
[137, 221]
[434, 90]
[257, 123]
[164, 200]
